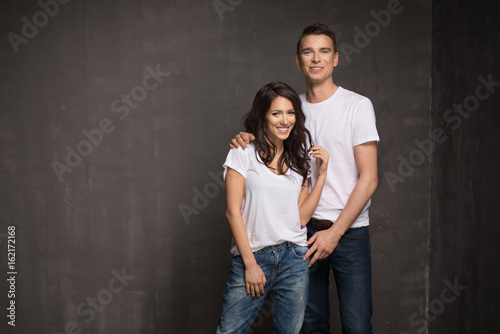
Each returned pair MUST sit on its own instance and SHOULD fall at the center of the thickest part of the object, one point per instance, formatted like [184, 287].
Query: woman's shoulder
[243, 155]
[250, 149]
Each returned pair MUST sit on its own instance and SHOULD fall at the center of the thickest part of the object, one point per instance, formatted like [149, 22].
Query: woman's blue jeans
[287, 279]
[351, 265]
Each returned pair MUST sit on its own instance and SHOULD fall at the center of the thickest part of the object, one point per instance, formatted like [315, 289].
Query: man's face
[317, 58]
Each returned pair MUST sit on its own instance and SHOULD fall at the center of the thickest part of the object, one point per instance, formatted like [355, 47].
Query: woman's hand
[322, 157]
[255, 280]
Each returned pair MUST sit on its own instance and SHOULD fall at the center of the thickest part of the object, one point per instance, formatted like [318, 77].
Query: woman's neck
[278, 152]
[279, 149]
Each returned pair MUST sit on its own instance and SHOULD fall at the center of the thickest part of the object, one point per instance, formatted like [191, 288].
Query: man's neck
[320, 92]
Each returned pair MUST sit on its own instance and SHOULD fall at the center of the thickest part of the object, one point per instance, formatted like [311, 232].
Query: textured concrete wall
[114, 123]
[464, 273]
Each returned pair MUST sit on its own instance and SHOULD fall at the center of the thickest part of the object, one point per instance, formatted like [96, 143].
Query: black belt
[320, 224]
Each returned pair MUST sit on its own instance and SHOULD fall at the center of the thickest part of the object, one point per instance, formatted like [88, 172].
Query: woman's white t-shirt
[270, 201]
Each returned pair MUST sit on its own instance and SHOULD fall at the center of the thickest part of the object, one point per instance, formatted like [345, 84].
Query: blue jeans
[351, 265]
[287, 279]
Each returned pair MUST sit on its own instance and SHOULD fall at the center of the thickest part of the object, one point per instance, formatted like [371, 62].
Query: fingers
[321, 157]
[313, 260]
[319, 152]
[242, 139]
[241, 142]
[309, 253]
[312, 249]
[311, 240]
[255, 281]
[256, 289]
[320, 254]
[252, 290]
[261, 289]
[234, 144]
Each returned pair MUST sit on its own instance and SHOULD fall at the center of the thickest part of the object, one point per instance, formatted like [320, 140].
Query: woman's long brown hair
[296, 146]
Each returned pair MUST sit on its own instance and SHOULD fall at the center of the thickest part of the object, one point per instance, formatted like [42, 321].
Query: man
[343, 122]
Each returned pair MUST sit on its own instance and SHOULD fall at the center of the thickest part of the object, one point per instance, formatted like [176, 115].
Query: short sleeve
[237, 159]
[364, 128]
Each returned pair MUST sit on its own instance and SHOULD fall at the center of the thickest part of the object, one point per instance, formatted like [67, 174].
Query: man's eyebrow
[323, 48]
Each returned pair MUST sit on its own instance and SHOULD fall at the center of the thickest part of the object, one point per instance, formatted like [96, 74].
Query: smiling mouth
[282, 130]
[316, 69]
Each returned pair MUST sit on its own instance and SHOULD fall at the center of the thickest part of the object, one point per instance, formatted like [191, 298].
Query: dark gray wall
[117, 211]
[465, 229]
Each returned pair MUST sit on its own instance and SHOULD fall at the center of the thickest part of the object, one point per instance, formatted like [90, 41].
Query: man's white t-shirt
[343, 121]
[270, 201]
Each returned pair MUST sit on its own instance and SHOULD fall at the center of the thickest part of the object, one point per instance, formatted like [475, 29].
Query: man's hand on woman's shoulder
[241, 139]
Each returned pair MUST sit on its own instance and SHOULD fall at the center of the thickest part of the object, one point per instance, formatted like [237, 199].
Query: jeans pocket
[236, 258]
[299, 251]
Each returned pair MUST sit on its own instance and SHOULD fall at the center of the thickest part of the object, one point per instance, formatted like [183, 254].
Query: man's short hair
[317, 29]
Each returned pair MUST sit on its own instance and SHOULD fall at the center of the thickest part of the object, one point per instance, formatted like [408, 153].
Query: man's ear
[336, 59]
[297, 60]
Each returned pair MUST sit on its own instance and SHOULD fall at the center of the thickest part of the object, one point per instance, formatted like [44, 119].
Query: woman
[268, 205]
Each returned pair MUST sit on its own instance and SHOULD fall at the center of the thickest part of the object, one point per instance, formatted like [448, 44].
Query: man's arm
[325, 242]
[243, 138]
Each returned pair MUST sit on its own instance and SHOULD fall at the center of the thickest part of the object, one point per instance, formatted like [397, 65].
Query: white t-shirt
[270, 202]
[344, 120]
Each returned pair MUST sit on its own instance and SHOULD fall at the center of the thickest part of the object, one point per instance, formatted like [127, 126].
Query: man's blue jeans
[351, 265]
[287, 278]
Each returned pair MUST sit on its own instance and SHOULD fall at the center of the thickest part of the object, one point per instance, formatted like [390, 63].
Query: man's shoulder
[352, 96]
[356, 102]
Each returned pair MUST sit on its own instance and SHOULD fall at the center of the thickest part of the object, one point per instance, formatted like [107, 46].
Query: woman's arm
[255, 280]
[309, 201]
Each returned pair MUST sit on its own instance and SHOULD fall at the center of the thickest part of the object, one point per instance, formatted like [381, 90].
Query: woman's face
[280, 120]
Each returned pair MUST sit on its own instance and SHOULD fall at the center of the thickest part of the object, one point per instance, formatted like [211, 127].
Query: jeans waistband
[278, 248]
[362, 230]
[357, 230]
